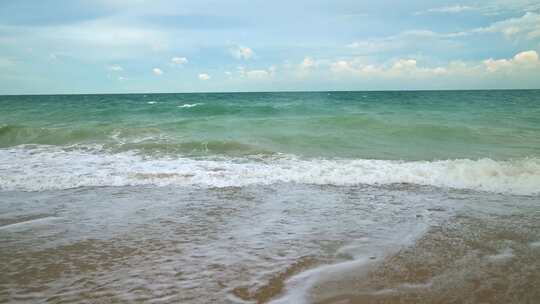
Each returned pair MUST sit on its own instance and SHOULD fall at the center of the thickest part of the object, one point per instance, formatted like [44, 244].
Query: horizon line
[277, 91]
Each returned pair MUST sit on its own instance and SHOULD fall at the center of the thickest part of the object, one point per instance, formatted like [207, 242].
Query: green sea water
[426, 125]
[483, 140]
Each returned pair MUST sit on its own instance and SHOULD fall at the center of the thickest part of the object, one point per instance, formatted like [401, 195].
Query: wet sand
[464, 260]
[284, 243]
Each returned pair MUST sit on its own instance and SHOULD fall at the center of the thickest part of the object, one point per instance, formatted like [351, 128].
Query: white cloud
[179, 61]
[527, 57]
[157, 71]
[488, 8]
[257, 74]
[523, 60]
[431, 34]
[341, 66]
[306, 67]
[413, 39]
[204, 76]
[115, 68]
[453, 9]
[108, 34]
[308, 63]
[399, 68]
[376, 45]
[404, 64]
[496, 65]
[408, 68]
[104, 39]
[527, 26]
[242, 52]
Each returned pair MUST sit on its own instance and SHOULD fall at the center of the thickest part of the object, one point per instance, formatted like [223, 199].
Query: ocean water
[304, 197]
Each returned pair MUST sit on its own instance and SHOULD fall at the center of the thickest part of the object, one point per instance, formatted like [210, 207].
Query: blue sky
[120, 46]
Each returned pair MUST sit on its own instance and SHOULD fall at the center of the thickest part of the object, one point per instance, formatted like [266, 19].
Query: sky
[140, 46]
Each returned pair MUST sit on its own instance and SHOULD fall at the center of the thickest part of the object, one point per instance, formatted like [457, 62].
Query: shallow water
[474, 257]
[285, 242]
[194, 245]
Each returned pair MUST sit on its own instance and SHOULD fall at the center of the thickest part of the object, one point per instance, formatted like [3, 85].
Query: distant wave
[34, 168]
[190, 105]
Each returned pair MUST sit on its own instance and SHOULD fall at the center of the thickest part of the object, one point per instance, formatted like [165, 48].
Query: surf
[38, 167]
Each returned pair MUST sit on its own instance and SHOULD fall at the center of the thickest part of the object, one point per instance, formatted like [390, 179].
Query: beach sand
[464, 260]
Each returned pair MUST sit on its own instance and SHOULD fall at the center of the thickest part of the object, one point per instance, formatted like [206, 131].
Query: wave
[14, 135]
[189, 105]
[221, 109]
[38, 167]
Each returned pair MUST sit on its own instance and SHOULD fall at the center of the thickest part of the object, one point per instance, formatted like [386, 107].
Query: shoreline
[291, 243]
[464, 260]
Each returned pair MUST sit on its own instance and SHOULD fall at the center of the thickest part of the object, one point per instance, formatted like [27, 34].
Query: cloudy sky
[117, 46]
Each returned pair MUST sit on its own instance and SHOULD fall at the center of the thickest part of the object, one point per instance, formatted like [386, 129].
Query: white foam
[47, 167]
[30, 223]
[327, 279]
[152, 102]
[188, 105]
[535, 244]
[502, 256]
[300, 285]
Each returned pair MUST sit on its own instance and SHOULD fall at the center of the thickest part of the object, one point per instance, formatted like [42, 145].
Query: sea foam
[34, 168]
[190, 105]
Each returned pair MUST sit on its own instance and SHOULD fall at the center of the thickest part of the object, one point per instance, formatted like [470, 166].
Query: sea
[284, 197]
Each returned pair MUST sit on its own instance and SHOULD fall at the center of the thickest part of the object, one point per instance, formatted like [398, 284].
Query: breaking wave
[190, 105]
[39, 167]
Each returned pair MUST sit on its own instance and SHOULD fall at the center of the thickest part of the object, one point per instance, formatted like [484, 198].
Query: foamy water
[34, 168]
[190, 105]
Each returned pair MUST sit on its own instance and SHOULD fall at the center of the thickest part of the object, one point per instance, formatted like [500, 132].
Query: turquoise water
[374, 125]
[469, 139]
